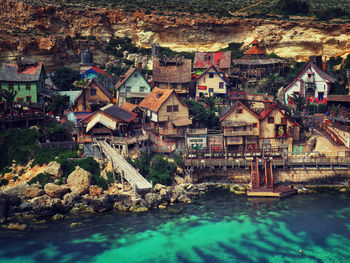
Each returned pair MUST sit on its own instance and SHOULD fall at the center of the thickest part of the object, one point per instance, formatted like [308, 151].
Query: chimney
[324, 64]
[266, 104]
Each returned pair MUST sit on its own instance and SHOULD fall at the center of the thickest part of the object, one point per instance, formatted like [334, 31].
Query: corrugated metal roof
[119, 113]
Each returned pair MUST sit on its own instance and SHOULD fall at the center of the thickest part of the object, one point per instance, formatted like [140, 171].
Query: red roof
[221, 60]
[98, 70]
[31, 69]
[255, 42]
[255, 50]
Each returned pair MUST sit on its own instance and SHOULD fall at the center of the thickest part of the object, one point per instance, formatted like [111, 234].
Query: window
[19, 99]
[211, 90]
[142, 89]
[93, 92]
[271, 120]
[283, 120]
[28, 98]
[211, 75]
[175, 108]
[218, 61]
[244, 128]
[128, 88]
[169, 108]
[255, 125]
[207, 57]
[239, 110]
[174, 86]
[221, 85]
[27, 86]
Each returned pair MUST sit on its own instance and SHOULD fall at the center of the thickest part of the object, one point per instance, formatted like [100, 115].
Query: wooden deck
[279, 191]
[135, 179]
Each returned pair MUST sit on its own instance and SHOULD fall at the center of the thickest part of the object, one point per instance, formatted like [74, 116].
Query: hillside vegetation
[322, 9]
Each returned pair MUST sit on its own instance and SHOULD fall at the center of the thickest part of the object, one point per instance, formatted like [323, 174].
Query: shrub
[178, 159]
[41, 179]
[3, 182]
[161, 171]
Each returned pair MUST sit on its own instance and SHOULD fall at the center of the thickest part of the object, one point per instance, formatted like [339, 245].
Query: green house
[26, 78]
[132, 87]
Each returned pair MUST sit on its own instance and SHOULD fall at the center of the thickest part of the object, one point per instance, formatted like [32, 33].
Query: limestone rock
[17, 226]
[55, 191]
[95, 190]
[70, 198]
[158, 187]
[152, 199]
[58, 217]
[138, 209]
[54, 169]
[184, 198]
[79, 181]
[179, 179]
[33, 191]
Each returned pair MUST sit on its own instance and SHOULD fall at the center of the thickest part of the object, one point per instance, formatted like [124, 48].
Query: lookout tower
[86, 60]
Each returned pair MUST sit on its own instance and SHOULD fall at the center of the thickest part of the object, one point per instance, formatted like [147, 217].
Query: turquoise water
[216, 227]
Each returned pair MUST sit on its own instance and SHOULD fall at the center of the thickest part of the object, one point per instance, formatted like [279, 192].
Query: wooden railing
[240, 133]
[200, 131]
[330, 132]
[113, 139]
[84, 139]
[165, 131]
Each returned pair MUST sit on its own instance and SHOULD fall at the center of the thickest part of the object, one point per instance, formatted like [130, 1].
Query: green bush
[178, 159]
[41, 179]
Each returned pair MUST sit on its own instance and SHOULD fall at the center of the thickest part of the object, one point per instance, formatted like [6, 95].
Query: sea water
[217, 227]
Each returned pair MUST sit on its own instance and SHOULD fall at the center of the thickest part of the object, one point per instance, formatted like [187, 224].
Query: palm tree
[9, 97]
[298, 100]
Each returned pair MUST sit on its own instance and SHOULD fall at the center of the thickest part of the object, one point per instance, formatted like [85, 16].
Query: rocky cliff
[57, 33]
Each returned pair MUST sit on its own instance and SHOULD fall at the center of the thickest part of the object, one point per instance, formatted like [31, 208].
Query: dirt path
[325, 145]
[245, 8]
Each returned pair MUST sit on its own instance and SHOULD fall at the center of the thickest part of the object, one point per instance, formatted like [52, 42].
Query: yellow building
[211, 83]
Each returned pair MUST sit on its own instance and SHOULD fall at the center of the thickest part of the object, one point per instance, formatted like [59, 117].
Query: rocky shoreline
[22, 204]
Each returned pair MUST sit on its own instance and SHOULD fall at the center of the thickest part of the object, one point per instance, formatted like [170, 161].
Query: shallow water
[216, 227]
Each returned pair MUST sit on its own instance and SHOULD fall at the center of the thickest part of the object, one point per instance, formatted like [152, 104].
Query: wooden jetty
[262, 183]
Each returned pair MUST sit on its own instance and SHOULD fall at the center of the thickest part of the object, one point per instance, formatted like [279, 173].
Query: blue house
[132, 87]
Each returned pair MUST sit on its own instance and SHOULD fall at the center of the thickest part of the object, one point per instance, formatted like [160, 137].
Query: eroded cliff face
[48, 33]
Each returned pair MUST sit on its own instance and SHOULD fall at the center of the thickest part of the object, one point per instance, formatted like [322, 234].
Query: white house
[313, 82]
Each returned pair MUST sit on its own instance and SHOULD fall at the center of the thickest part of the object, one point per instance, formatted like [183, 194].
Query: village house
[241, 127]
[27, 78]
[93, 96]
[221, 60]
[167, 116]
[139, 120]
[132, 86]
[173, 73]
[246, 130]
[211, 83]
[313, 82]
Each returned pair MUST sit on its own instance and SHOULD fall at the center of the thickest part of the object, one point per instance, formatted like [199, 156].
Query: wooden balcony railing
[84, 138]
[241, 133]
[201, 131]
[164, 131]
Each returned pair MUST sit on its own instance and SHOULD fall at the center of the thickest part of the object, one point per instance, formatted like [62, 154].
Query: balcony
[201, 131]
[241, 133]
[164, 131]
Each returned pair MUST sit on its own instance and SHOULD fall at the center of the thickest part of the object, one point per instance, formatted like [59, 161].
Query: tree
[9, 97]
[58, 104]
[272, 83]
[299, 101]
[161, 171]
[202, 117]
[293, 7]
[63, 78]
[211, 101]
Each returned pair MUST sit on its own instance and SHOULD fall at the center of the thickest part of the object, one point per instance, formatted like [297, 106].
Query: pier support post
[122, 177]
[135, 191]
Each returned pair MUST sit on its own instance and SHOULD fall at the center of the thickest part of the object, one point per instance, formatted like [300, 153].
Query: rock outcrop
[79, 181]
[33, 191]
[56, 34]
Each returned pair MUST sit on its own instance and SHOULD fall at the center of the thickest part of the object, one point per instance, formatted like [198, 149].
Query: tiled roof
[206, 59]
[119, 113]
[254, 50]
[9, 72]
[155, 99]
[125, 77]
[172, 72]
[128, 106]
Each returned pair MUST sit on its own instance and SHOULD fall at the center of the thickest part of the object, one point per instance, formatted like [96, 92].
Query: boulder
[56, 191]
[158, 187]
[54, 169]
[152, 199]
[184, 198]
[70, 198]
[165, 194]
[17, 226]
[179, 179]
[58, 217]
[33, 191]
[79, 181]
[95, 190]
[47, 206]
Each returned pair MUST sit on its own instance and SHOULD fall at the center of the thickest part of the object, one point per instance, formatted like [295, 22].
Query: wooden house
[92, 97]
[313, 82]
[167, 115]
[139, 120]
[241, 127]
[173, 74]
[26, 77]
[211, 83]
[132, 85]
[277, 130]
[109, 120]
[203, 60]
